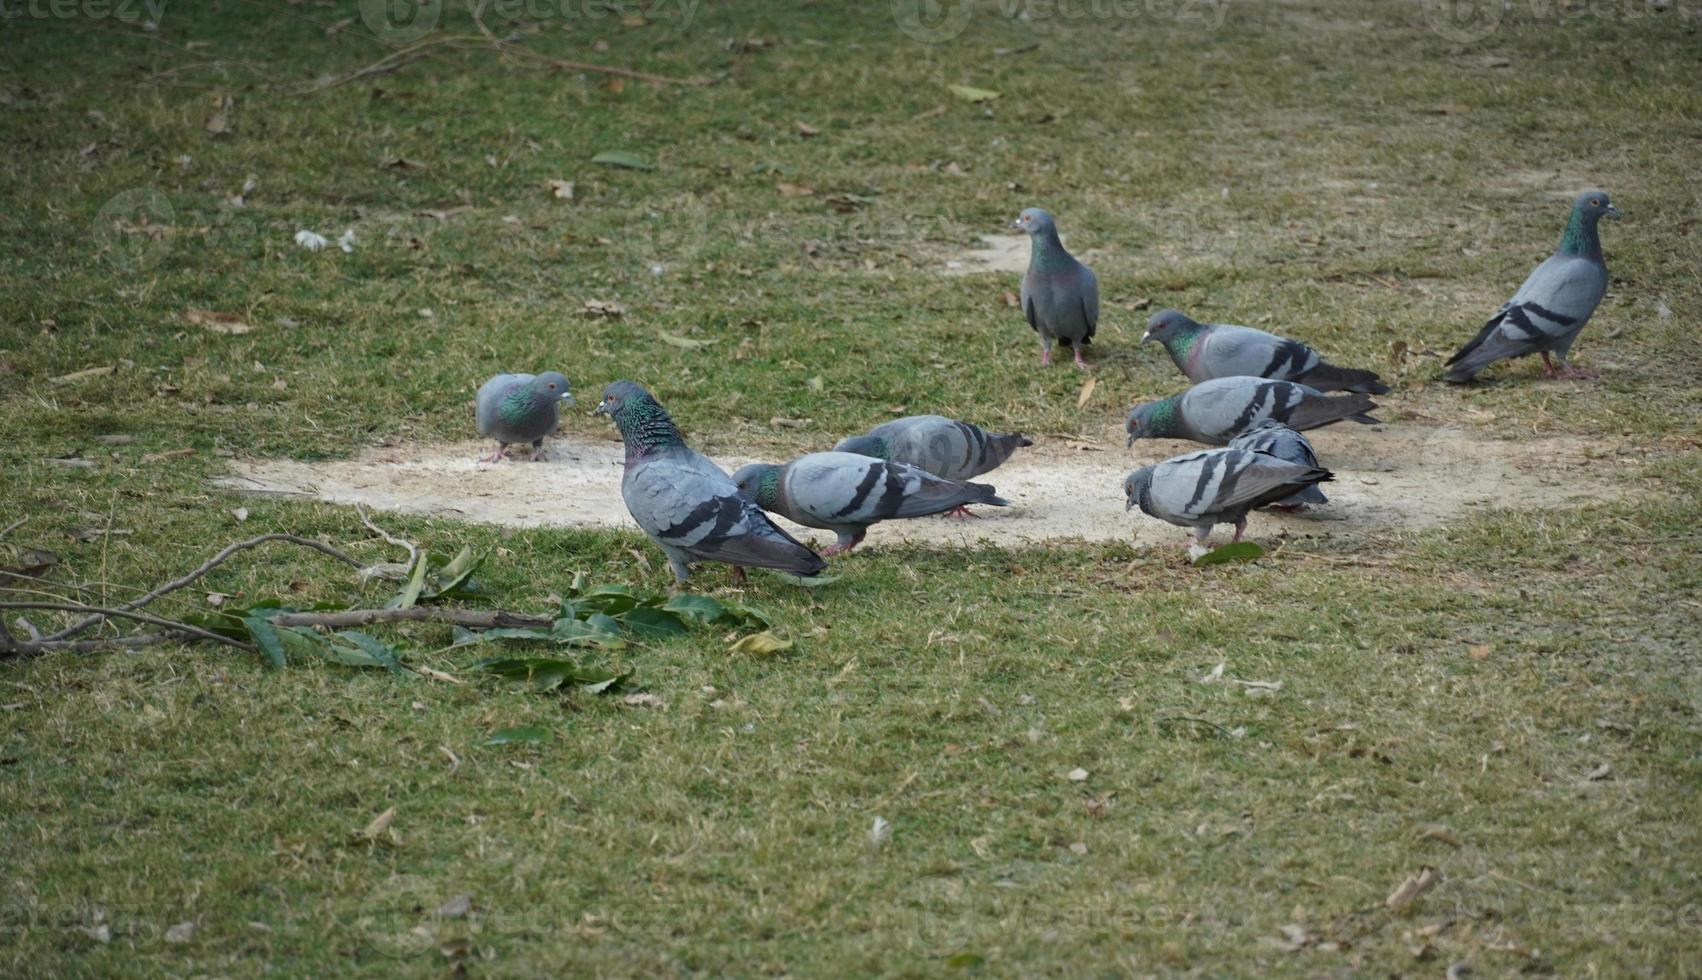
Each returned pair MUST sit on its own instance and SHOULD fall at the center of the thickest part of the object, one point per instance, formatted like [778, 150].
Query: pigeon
[944, 447]
[1546, 314]
[1275, 439]
[845, 493]
[1204, 351]
[513, 408]
[685, 503]
[1060, 296]
[1216, 486]
[1215, 411]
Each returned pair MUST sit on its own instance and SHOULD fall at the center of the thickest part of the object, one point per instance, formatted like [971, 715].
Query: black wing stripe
[863, 490]
[724, 511]
[1206, 471]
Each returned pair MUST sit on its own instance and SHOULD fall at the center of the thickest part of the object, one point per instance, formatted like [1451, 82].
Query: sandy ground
[1386, 476]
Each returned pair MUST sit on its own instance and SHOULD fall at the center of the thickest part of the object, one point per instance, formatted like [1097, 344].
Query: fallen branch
[205, 567]
[99, 614]
[470, 618]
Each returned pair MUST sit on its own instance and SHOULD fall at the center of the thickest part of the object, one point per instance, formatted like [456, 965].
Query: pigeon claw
[961, 511]
[1045, 358]
[1079, 362]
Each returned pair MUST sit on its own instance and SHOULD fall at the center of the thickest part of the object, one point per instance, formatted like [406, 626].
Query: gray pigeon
[1060, 296]
[1275, 439]
[845, 493]
[1204, 351]
[685, 503]
[515, 408]
[1546, 314]
[1215, 411]
[1215, 486]
[944, 447]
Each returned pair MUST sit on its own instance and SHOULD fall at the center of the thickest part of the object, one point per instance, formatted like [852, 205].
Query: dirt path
[1386, 476]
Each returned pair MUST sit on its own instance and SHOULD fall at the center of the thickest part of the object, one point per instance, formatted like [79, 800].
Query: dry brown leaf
[562, 189]
[633, 20]
[806, 130]
[437, 675]
[93, 372]
[379, 824]
[645, 700]
[1479, 652]
[615, 85]
[1086, 391]
[786, 423]
[225, 323]
[218, 118]
[456, 907]
[169, 454]
[1010, 299]
[794, 190]
[1439, 832]
[1409, 889]
[1599, 773]
[180, 933]
[1078, 775]
[603, 307]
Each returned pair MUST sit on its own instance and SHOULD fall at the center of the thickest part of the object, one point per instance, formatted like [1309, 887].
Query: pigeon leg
[1548, 370]
[1577, 374]
[845, 543]
[537, 450]
[961, 511]
[682, 570]
[1240, 529]
[738, 575]
[1201, 534]
[1079, 362]
[1045, 357]
[495, 457]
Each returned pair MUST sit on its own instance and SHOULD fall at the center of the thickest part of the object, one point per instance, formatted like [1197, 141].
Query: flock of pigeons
[1254, 394]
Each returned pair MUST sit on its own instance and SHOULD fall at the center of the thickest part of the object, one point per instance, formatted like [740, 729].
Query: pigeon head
[760, 482]
[552, 386]
[643, 423]
[1594, 204]
[1037, 222]
[1166, 325]
[1136, 487]
[865, 446]
[1151, 421]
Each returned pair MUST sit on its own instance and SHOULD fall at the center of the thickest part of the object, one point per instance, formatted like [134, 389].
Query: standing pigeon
[513, 408]
[1204, 351]
[1275, 439]
[1546, 314]
[1215, 486]
[845, 493]
[685, 503]
[1060, 296]
[1213, 412]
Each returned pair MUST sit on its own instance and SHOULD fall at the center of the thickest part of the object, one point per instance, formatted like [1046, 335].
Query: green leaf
[455, 577]
[608, 682]
[222, 623]
[683, 343]
[701, 608]
[265, 636]
[621, 158]
[808, 582]
[375, 652]
[410, 593]
[523, 734]
[546, 674]
[610, 599]
[966, 961]
[576, 632]
[1239, 551]
[760, 644]
[603, 624]
[969, 94]
[647, 621]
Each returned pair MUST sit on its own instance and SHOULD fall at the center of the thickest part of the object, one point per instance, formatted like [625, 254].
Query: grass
[1340, 169]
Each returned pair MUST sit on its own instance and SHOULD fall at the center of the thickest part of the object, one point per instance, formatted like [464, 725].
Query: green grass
[1290, 163]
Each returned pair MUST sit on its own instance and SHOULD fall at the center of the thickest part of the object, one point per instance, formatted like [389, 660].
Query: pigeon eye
[552, 386]
[1595, 203]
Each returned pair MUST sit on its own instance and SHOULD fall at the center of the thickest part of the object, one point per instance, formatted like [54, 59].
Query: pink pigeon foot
[495, 457]
[1045, 357]
[1240, 529]
[738, 575]
[961, 511]
[1079, 362]
[837, 549]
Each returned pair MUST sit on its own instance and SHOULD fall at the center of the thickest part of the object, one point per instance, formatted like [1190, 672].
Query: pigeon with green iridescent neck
[685, 503]
[1204, 351]
[520, 408]
[1060, 296]
[1216, 411]
[846, 493]
[1275, 439]
[1215, 486]
[1546, 314]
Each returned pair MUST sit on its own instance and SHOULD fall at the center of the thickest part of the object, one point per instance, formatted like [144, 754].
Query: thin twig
[471, 618]
[100, 613]
[1198, 721]
[206, 567]
[8, 529]
[413, 552]
[87, 646]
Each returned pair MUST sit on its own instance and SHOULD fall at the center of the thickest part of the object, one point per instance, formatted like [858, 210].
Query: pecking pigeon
[513, 408]
[1204, 351]
[1215, 486]
[1060, 296]
[1275, 439]
[944, 447]
[845, 493]
[685, 503]
[1213, 412]
[1546, 314]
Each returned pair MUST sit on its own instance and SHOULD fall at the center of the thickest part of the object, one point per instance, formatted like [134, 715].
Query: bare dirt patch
[1402, 476]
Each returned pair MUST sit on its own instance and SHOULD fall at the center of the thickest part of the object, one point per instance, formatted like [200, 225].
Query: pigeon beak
[1131, 440]
[1128, 503]
[600, 409]
[1016, 225]
[567, 396]
[1146, 336]
[1613, 212]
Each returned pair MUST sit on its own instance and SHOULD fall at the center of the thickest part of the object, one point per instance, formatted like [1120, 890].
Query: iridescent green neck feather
[646, 428]
[1580, 237]
[518, 406]
[1162, 420]
[768, 488]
